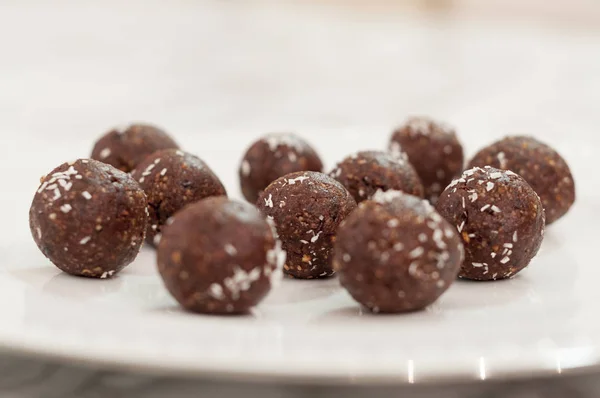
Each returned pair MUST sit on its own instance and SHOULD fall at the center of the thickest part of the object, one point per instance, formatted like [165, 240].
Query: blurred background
[330, 70]
[218, 73]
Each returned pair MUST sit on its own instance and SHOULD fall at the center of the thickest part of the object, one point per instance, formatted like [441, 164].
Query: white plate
[217, 75]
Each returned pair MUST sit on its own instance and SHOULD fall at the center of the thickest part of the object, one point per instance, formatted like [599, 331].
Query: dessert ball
[173, 179]
[500, 219]
[366, 172]
[219, 256]
[434, 151]
[307, 208]
[89, 218]
[274, 156]
[124, 148]
[395, 253]
[541, 166]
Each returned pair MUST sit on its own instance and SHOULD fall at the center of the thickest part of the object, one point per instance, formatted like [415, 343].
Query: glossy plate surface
[217, 75]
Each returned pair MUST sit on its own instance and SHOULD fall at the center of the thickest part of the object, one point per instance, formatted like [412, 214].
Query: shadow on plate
[176, 310]
[355, 311]
[79, 288]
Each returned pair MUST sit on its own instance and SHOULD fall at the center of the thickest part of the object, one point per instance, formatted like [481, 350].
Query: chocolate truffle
[541, 166]
[434, 151]
[173, 179]
[500, 219]
[307, 208]
[366, 172]
[219, 256]
[395, 253]
[89, 218]
[274, 156]
[125, 147]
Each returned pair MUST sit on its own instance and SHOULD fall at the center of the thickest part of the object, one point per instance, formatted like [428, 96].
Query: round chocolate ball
[500, 219]
[126, 147]
[364, 173]
[395, 253]
[274, 156]
[173, 179]
[541, 166]
[89, 218]
[434, 151]
[307, 208]
[219, 256]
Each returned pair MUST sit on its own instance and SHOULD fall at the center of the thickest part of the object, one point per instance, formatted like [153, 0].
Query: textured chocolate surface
[89, 218]
[541, 166]
[500, 219]
[173, 179]
[274, 156]
[126, 147]
[219, 256]
[434, 151]
[364, 173]
[307, 208]
[395, 253]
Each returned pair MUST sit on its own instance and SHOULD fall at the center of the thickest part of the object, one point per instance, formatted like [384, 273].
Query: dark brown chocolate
[366, 172]
[89, 218]
[126, 147]
[173, 179]
[307, 208]
[500, 219]
[274, 156]
[541, 166]
[434, 151]
[219, 256]
[395, 253]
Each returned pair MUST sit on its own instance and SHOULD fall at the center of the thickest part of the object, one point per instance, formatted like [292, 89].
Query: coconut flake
[300, 179]
[502, 160]
[383, 197]
[105, 153]
[393, 223]
[417, 252]
[230, 249]
[66, 208]
[85, 240]
[269, 201]
[246, 169]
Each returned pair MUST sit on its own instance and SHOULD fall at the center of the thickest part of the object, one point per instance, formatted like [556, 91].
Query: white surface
[216, 74]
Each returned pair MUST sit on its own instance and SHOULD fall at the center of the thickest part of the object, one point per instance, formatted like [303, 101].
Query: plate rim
[147, 363]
